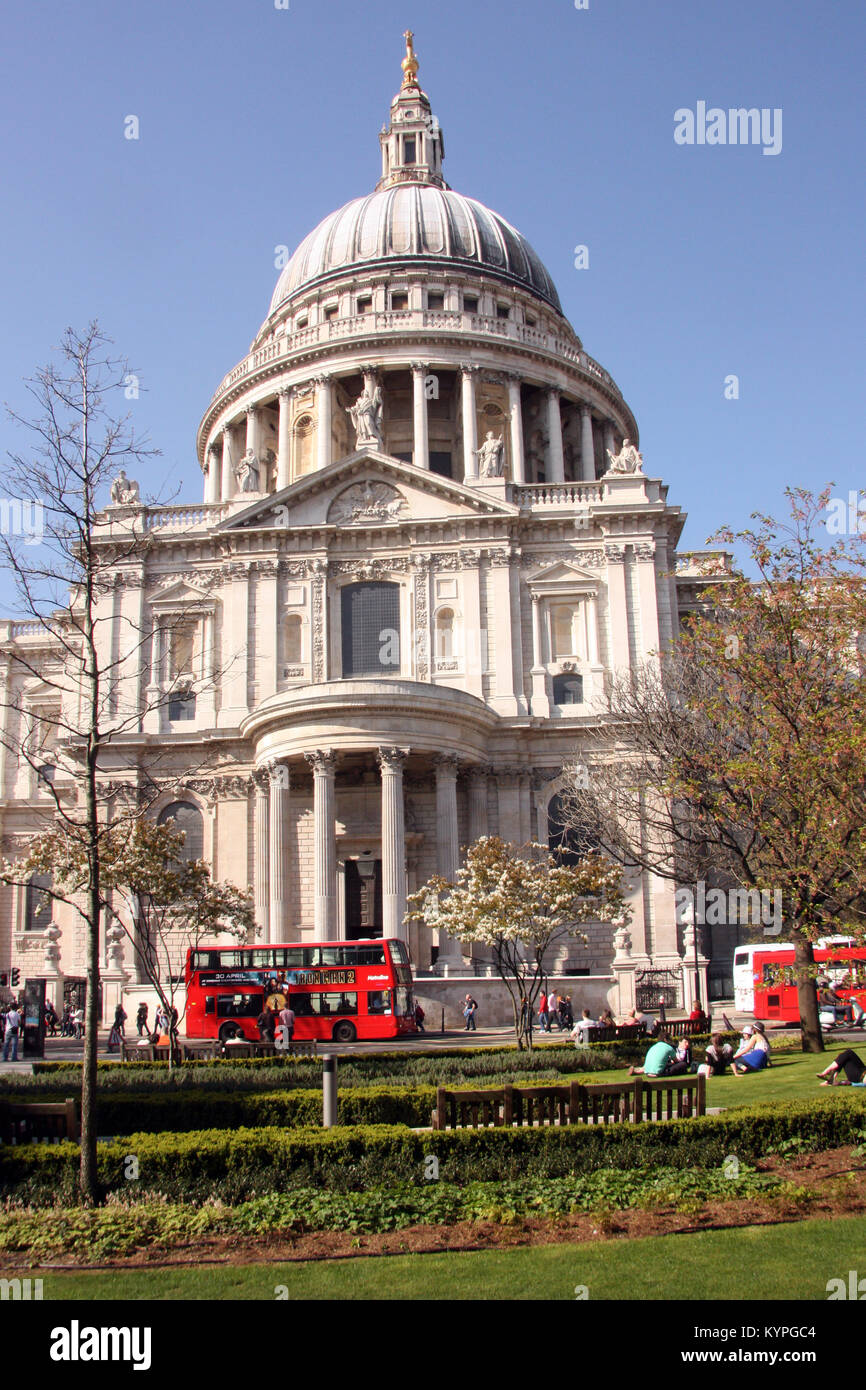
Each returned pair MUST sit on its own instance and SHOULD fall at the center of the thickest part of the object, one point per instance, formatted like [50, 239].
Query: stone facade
[418, 439]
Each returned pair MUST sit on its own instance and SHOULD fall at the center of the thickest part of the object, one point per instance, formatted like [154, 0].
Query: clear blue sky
[256, 122]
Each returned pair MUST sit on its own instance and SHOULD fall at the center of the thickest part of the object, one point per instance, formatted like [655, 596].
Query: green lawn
[795, 1262]
[791, 1077]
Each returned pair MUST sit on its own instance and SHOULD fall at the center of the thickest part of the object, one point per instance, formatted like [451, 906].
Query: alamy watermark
[739, 125]
[21, 516]
[716, 907]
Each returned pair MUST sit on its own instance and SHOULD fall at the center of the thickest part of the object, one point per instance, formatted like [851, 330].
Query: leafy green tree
[743, 750]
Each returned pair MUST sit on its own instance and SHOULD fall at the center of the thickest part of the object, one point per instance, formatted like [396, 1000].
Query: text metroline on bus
[338, 990]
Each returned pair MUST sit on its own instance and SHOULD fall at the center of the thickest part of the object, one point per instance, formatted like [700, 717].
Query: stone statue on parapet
[247, 472]
[491, 456]
[124, 491]
[628, 460]
[366, 416]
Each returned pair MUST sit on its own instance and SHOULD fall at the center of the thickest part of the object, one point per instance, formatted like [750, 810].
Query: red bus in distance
[339, 990]
[776, 988]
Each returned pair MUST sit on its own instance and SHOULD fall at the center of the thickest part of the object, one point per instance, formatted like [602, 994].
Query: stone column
[554, 429]
[469, 421]
[284, 439]
[609, 443]
[323, 763]
[324, 403]
[252, 442]
[618, 607]
[391, 762]
[540, 701]
[587, 446]
[515, 416]
[228, 481]
[450, 960]
[261, 853]
[477, 803]
[420, 441]
[276, 848]
[212, 488]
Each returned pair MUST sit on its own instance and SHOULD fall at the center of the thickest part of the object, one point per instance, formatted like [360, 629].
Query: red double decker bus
[340, 990]
[775, 982]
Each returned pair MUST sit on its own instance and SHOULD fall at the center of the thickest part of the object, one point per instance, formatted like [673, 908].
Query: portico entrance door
[363, 898]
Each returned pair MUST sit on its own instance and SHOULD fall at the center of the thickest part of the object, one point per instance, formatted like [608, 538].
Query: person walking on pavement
[11, 1030]
[470, 1009]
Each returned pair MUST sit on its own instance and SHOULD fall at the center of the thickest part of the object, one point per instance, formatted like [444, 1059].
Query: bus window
[404, 1001]
[379, 1001]
[210, 1004]
[301, 957]
[324, 1004]
[262, 959]
[239, 1005]
[370, 955]
[337, 955]
[398, 952]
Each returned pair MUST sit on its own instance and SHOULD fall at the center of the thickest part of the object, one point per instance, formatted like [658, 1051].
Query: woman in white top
[754, 1055]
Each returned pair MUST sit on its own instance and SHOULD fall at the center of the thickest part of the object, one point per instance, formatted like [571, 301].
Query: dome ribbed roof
[414, 221]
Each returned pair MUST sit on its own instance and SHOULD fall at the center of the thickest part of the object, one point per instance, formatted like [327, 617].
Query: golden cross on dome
[410, 62]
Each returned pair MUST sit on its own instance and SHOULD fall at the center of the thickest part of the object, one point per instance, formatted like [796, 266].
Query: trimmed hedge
[450, 1067]
[234, 1166]
[180, 1112]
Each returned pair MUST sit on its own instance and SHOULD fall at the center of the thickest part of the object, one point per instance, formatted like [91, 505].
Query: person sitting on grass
[753, 1053]
[846, 1070]
[659, 1060]
[718, 1056]
[682, 1062]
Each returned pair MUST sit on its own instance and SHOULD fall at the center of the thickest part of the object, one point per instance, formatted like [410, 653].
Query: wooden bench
[619, 1032]
[24, 1124]
[685, 1027]
[641, 1098]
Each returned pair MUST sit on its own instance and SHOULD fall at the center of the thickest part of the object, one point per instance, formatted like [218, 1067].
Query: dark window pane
[180, 707]
[39, 905]
[440, 463]
[568, 690]
[187, 818]
[371, 629]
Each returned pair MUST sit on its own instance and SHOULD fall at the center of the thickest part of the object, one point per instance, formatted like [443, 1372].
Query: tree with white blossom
[520, 902]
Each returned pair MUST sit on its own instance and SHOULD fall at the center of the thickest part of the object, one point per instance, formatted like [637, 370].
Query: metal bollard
[329, 1092]
[442, 1029]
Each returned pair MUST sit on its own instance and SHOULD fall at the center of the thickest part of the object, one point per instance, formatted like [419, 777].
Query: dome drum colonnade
[412, 265]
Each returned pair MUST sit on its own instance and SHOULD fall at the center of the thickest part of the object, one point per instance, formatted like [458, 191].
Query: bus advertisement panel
[338, 990]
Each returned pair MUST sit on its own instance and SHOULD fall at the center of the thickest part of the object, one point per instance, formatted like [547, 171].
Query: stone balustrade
[557, 494]
[416, 320]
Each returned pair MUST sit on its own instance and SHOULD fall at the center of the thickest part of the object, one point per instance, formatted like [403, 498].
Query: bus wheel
[229, 1030]
[344, 1032]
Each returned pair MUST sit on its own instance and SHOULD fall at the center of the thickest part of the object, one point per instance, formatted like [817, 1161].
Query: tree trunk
[811, 1036]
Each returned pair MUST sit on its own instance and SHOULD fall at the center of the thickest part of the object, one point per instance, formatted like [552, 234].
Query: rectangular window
[324, 1003]
[210, 1004]
[365, 304]
[435, 301]
[181, 707]
[238, 1005]
[399, 300]
[409, 149]
[503, 311]
[330, 312]
[470, 303]
[441, 463]
[371, 629]
[379, 1001]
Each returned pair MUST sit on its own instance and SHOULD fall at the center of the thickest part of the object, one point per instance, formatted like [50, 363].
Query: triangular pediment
[178, 593]
[368, 489]
[561, 577]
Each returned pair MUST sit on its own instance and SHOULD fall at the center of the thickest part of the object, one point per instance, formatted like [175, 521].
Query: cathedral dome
[418, 222]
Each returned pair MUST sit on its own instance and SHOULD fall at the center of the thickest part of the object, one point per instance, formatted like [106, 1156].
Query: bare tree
[90, 687]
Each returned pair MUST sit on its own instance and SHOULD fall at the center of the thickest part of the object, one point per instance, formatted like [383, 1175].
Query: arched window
[38, 905]
[294, 634]
[370, 616]
[445, 633]
[568, 689]
[568, 844]
[187, 818]
[304, 441]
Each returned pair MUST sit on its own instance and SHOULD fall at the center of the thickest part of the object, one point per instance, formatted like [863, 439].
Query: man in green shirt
[657, 1060]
